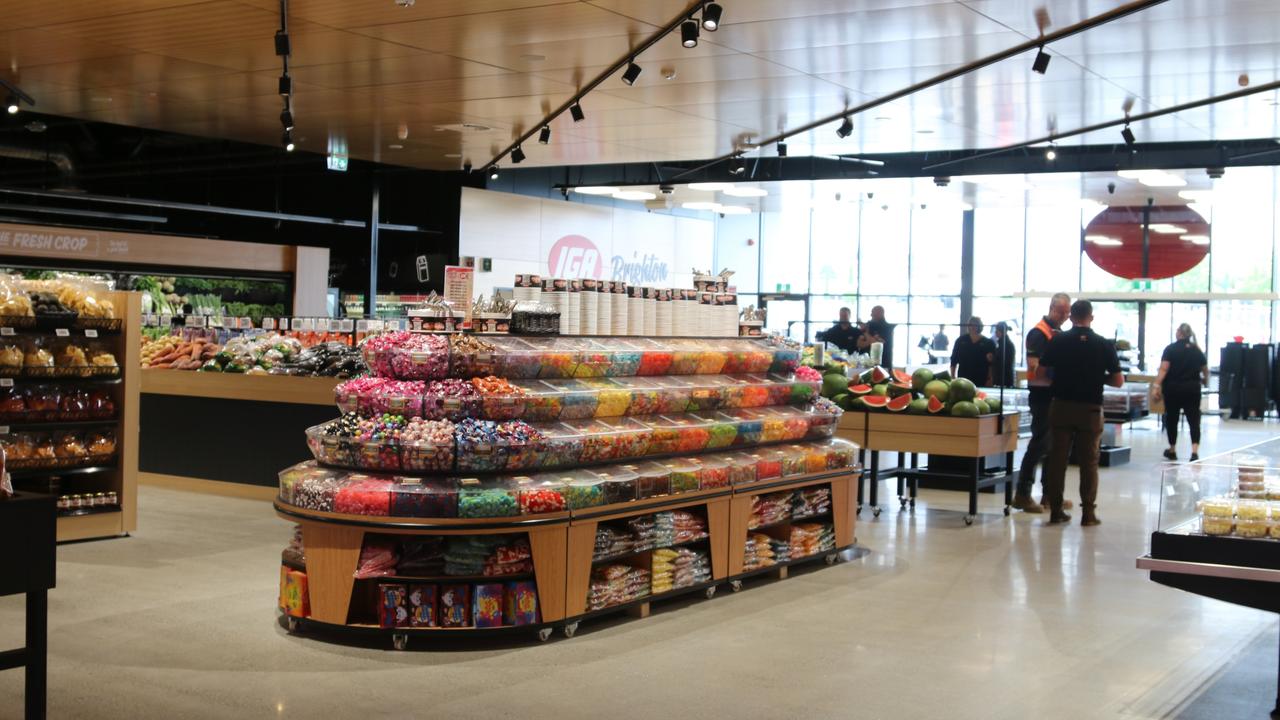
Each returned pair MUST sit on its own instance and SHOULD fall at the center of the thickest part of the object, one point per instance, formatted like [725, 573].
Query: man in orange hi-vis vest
[1039, 398]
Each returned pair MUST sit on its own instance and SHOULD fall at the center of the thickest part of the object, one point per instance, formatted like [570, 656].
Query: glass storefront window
[738, 248]
[885, 248]
[784, 247]
[1243, 233]
[1053, 249]
[998, 242]
[835, 248]
[935, 250]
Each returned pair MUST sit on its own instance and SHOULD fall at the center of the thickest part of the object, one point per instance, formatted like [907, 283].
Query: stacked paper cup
[604, 308]
[527, 287]
[650, 312]
[635, 310]
[590, 308]
[662, 313]
[684, 304]
[620, 308]
[706, 313]
[553, 294]
[573, 302]
[728, 307]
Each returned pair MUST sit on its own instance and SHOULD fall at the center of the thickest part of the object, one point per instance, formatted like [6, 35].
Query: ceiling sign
[1178, 241]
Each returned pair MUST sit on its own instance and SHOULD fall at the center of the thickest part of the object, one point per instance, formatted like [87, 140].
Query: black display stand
[28, 533]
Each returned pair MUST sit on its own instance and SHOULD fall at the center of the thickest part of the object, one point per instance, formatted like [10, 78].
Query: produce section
[613, 461]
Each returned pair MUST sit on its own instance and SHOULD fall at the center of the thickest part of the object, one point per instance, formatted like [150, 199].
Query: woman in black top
[972, 354]
[1183, 371]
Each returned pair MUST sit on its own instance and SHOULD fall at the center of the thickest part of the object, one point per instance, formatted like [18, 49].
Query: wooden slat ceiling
[377, 75]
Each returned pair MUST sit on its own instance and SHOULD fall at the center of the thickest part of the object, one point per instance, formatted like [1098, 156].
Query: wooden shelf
[634, 553]
[237, 386]
[793, 519]
[24, 473]
[446, 579]
[52, 425]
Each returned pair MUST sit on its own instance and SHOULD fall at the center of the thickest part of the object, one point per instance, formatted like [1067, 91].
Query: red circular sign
[1177, 242]
[574, 256]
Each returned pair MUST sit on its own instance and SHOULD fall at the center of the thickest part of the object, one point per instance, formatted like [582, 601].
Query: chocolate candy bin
[488, 497]
[620, 483]
[424, 497]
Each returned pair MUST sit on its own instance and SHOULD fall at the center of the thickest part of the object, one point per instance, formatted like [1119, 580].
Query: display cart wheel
[735, 585]
[570, 629]
[832, 558]
[544, 634]
[875, 511]
[293, 624]
[859, 510]
[968, 519]
[1006, 511]
[902, 503]
[400, 641]
[711, 592]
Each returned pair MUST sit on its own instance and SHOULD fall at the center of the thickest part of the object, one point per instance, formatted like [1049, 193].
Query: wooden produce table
[843, 510]
[27, 566]
[973, 438]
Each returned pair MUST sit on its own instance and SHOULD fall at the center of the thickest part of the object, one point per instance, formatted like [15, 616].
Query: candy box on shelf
[455, 605]
[684, 475]
[520, 603]
[540, 494]
[620, 483]
[629, 436]
[500, 399]
[794, 460]
[364, 495]
[374, 396]
[393, 605]
[486, 609]
[693, 432]
[488, 497]
[653, 479]
[741, 467]
[709, 392]
[423, 605]
[472, 356]
[517, 359]
[612, 398]
[450, 399]
[487, 446]
[655, 357]
[557, 357]
[750, 425]
[578, 400]
[625, 356]
[317, 490]
[841, 454]
[643, 394]
[713, 472]
[685, 355]
[746, 357]
[559, 446]
[427, 446]
[722, 429]
[815, 457]
[784, 423]
[581, 489]
[424, 497]
[294, 597]
[542, 400]
[673, 394]
[768, 463]
[595, 359]
[332, 449]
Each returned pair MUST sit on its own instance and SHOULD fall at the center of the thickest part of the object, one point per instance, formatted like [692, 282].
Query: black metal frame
[27, 532]
[973, 482]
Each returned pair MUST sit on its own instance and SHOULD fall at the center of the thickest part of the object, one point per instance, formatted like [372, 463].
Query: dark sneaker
[1171, 455]
[1195, 457]
[1058, 518]
[1089, 520]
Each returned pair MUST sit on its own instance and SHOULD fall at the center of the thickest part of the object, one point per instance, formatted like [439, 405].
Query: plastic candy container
[708, 394]
[374, 396]
[364, 495]
[407, 356]
[673, 394]
[431, 498]
[793, 460]
[685, 356]
[750, 427]
[499, 398]
[840, 454]
[694, 433]
[560, 446]
[742, 469]
[333, 443]
[539, 495]
[643, 398]
[747, 357]
[785, 360]
[631, 437]
[803, 391]
[769, 465]
[722, 433]
[655, 361]
[582, 489]
[815, 458]
[711, 360]
[599, 442]
[487, 498]
[626, 361]
[450, 399]
[542, 402]
[484, 446]
[517, 359]
[652, 479]
[379, 441]
[613, 400]
[664, 436]
[714, 473]
[578, 400]
[822, 421]
[594, 361]
[317, 491]
[292, 477]
[471, 356]
[684, 476]
[558, 357]
[620, 484]
[805, 373]
[427, 445]
[751, 391]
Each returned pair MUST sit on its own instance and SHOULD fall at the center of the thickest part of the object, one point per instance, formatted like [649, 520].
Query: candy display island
[504, 484]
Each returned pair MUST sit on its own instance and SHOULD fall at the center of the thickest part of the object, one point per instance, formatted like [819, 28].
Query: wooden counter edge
[236, 386]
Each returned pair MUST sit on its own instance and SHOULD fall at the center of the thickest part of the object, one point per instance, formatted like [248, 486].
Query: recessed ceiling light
[710, 186]
[1196, 239]
[700, 205]
[746, 192]
[633, 195]
[1167, 228]
[924, 132]
[883, 117]
[734, 210]
[596, 190]
[396, 146]
[1103, 240]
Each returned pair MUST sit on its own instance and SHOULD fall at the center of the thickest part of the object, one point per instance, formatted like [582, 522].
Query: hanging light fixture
[287, 141]
[1041, 63]
[575, 110]
[846, 128]
[711, 16]
[544, 136]
[632, 72]
[689, 34]
[517, 155]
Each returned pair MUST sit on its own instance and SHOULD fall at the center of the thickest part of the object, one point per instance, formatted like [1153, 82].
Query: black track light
[544, 137]
[737, 166]
[782, 149]
[1051, 154]
[632, 72]
[287, 141]
[286, 119]
[517, 155]
[286, 85]
[711, 16]
[1041, 63]
[575, 111]
[493, 173]
[12, 105]
[846, 128]
[689, 34]
[1128, 136]
[282, 43]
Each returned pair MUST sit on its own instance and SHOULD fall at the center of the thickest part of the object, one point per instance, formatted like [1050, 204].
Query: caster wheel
[1006, 511]
[902, 504]
[544, 634]
[832, 558]
[293, 624]
[858, 511]
[736, 585]
[711, 592]
[875, 511]
[400, 641]
[968, 519]
[570, 629]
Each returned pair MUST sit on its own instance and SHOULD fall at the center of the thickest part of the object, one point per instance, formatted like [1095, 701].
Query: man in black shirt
[843, 334]
[972, 355]
[1082, 361]
[1002, 374]
[881, 331]
[1039, 398]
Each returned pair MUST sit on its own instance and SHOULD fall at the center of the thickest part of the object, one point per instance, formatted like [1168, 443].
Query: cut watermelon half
[936, 406]
[875, 376]
[876, 401]
[859, 389]
[982, 395]
[901, 376]
[896, 388]
[900, 403]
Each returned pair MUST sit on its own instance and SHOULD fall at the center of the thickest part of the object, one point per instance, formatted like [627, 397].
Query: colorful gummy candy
[625, 362]
[710, 362]
[795, 428]
[684, 361]
[722, 435]
[557, 364]
[542, 403]
[684, 477]
[808, 374]
[663, 440]
[612, 402]
[482, 501]
[558, 447]
[593, 363]
[655, 362]
[541, 499]
[364, 495]
[578, 403]
[583, 493]
[713, 475]
[692, 438]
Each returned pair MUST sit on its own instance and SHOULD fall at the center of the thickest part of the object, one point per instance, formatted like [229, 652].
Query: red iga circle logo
[574, 256]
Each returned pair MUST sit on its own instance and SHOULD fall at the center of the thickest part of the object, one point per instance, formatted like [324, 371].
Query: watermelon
[875, 376]
[900, 403]
[899, 388]
[935, 405]
[875, 402]
[919, 406]
[843, 400]
[983, 408]
[901, 376]
[961, 390]
[833, 384]
[936, 389]
[993, 404]
[920, 378]
[964, 408]
[860, 389]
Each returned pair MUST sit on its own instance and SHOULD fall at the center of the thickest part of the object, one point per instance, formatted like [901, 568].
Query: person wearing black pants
[1039, 398]
[1183, 371]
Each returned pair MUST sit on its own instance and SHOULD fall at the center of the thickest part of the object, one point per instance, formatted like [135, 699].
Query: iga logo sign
[574, 256]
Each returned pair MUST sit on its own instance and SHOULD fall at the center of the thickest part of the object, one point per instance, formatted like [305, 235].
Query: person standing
[1082, 361]
[939, 345]
[972, 355]
[843, 334]
[881, 331]
[1002, 360]
[1183, 371]
[1039, 398]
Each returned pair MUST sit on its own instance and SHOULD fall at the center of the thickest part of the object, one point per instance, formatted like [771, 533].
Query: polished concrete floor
[1005, 619]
